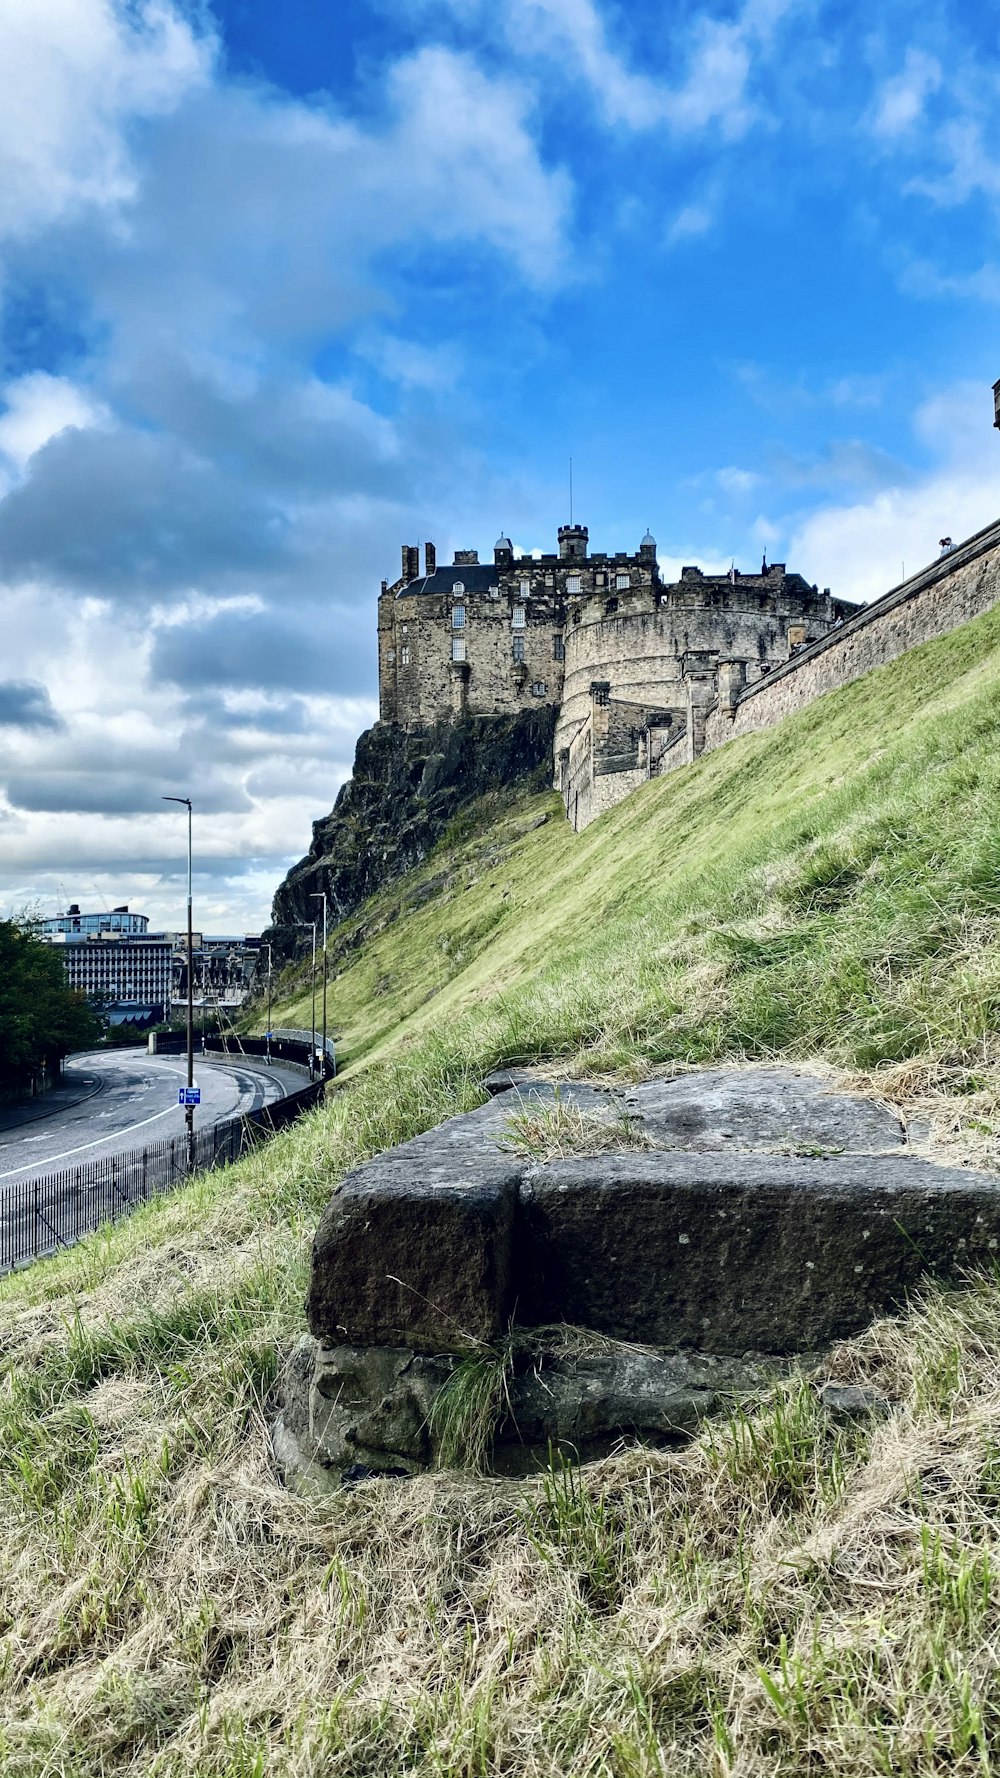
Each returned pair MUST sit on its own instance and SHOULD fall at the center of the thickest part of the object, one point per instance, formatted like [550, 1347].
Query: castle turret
[573, 542]
[647, 548]
[503, 552]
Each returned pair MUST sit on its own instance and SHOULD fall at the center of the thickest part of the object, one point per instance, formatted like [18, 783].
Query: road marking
[101, 1142]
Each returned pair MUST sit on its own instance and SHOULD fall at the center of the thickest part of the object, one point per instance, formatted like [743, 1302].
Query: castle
[632, 663]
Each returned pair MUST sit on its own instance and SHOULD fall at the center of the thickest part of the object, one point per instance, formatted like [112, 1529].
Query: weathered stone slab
[415, 1249]
[734, 1252]
[761, 1109]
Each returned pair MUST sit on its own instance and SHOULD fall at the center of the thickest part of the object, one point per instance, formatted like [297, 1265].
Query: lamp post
[320, 895]
[189, 1107]
[269, 966]
[312, 1048]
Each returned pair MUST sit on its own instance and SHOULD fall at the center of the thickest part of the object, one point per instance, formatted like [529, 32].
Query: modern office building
[128, 979]
[77, 925]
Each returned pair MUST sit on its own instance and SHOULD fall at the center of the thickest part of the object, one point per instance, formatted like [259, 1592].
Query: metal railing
[42, 1215]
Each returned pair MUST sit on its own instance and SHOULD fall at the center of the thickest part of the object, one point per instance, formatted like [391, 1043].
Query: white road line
[101, 1142]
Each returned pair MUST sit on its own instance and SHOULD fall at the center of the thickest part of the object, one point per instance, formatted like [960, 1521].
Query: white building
[115, 962]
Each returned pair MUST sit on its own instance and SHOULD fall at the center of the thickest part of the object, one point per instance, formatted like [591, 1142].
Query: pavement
[112, 1101]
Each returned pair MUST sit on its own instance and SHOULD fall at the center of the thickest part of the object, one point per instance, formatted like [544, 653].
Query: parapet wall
[952, 591]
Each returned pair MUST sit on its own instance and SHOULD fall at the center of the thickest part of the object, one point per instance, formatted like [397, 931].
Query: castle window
[518, 617]
[458, 648]
[458, 617]
[525, 588]
[539, 688]
[391, 657]
[494, 592]
[621, 582]
[404, 655]
[558, 649]
[406, 629]
[459, 586]
[517, 648]
[574, 584]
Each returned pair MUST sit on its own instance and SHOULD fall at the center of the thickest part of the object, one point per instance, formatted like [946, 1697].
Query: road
[116, 1100]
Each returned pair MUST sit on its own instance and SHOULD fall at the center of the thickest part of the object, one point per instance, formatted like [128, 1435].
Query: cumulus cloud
[74, 76]
[193, 515]
[39, 406]
[26, 705]
[860, 549]
[268, 649]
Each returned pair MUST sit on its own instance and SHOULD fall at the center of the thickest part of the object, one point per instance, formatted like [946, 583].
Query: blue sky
[282, 287]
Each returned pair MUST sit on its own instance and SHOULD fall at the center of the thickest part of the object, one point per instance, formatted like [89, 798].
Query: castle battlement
[492, 638]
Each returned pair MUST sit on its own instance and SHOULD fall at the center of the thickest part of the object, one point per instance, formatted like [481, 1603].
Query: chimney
[430, 559]
[466, 558]
[411, 563]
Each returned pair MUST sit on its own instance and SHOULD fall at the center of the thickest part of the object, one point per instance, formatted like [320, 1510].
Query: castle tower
[573, 543]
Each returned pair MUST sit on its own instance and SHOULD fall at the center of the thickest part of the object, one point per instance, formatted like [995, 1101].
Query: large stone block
[716, 1109]
[739, 1252]
[415, 1250]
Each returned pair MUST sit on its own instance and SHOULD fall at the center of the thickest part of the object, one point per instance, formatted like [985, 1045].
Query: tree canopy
[41, 1017]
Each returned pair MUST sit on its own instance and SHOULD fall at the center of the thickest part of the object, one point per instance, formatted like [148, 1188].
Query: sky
[283, 287]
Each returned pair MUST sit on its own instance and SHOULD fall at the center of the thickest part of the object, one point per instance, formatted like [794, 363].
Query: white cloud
[716, 57]
[860, 549]
[38, 407]
[691, 221]
[74, 74]
[900, 102]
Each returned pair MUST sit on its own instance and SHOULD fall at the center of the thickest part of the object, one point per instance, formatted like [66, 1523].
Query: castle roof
[475, 577]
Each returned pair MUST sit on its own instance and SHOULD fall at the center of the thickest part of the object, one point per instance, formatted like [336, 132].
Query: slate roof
[476, 577]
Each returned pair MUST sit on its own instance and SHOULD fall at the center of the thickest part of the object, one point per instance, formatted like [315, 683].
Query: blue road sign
[189, 1095]
[269, 1035]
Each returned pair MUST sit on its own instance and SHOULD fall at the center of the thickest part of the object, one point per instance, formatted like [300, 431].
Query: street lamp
[189, 1104]
[312, 1050]
[320, 895]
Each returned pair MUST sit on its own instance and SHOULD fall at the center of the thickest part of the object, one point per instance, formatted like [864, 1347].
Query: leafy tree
[41, 1017]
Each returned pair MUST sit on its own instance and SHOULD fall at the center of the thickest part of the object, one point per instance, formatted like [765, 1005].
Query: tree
[41, 1017]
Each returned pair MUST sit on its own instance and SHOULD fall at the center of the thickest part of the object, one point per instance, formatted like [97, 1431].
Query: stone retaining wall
[954, 589]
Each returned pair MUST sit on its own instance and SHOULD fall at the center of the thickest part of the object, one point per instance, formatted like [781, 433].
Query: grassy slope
[777, 1599]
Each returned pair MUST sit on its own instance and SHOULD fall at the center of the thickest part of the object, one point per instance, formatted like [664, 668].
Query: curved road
[116, 1100]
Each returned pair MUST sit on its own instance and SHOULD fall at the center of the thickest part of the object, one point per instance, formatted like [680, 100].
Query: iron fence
[41, 1215]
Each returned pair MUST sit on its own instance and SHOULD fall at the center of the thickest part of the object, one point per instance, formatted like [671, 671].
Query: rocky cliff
[407, 785]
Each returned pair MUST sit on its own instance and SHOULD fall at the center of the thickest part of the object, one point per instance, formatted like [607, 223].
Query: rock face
[407, 785]
[766, 1214]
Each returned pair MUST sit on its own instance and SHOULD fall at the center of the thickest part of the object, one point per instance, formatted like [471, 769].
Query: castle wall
[646, 647]
[954, 589]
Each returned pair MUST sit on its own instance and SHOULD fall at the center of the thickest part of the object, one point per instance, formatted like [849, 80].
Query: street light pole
[312, 1051]
[189, 1107]
[320, 895]
[269, 965]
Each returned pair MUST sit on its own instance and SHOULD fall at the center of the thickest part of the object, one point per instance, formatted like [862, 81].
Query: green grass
[830, 887]
[779, 1598]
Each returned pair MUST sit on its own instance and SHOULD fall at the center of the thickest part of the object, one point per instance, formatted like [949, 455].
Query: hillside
[783, 1596]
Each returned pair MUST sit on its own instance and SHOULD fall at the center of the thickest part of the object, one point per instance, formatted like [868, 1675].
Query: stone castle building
[631, 662]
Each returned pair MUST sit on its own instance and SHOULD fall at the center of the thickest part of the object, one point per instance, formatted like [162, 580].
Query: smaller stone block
[415, 1250]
